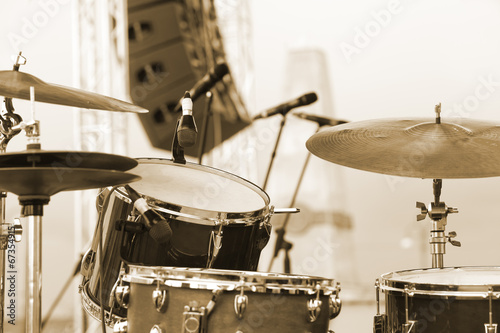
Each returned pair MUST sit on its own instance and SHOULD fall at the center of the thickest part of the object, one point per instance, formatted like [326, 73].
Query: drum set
[177, 244]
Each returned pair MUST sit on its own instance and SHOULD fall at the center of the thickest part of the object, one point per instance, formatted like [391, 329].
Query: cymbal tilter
[438, 213]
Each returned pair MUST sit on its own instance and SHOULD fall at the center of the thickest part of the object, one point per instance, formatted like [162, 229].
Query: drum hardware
[335, 303]
[160, 298]
[241, 300]
[490, 327]
[156, 329]
[215, 243]
[121, 327]
[379, 321]
[409, 324]
[314, 306]
[438, 212]
[193, 320]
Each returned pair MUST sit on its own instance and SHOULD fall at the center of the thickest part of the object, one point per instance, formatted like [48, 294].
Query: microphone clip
[177, 149]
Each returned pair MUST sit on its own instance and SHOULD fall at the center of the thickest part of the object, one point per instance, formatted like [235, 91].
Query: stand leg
[34, 275]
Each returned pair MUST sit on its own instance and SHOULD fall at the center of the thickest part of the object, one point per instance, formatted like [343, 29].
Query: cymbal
[455, 148]
[66, 159]
[44, 181]
[14, 84]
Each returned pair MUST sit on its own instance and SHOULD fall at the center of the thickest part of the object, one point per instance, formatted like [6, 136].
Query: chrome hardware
[156, 329]
[314, 307]
[240, 302]
[453, 234]
[214, 245]
[409, 324]
[379, 320]
[120, 327]
[194, 318]
[122, 294]
[335, 303]
[438, 213]
[160, 298]
[490, 327]
[18, 230]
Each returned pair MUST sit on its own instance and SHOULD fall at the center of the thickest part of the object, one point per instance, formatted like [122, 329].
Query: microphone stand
[281, 243]
[204, 130]
[273, 154]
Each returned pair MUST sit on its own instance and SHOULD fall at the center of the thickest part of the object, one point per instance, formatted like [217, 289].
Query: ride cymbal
[14, 84]
[421, 147]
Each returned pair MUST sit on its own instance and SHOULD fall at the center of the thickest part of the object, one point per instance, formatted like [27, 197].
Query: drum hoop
[435, 289]
[199, 278]
[205, 216]
[94, 309]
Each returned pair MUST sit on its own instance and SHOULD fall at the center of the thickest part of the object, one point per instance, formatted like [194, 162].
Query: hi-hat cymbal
[66, 159]
[454, 148]
[14, 84]
[45, 182]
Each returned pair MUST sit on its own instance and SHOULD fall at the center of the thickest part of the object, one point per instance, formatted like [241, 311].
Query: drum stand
[438, 212]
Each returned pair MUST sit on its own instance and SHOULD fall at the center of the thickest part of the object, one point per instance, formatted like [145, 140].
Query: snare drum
[218, 220]
[172, 299]
[438, 300]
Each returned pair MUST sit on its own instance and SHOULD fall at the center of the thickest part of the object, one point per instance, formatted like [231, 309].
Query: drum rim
[199, 278]
[204, 216]
[390, 284]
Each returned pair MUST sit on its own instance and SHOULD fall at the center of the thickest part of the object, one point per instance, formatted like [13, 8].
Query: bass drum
[218, 220]
[171, 299]
[438, 300]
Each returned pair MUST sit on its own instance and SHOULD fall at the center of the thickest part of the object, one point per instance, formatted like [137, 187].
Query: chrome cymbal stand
[9, 232]
[438, 213]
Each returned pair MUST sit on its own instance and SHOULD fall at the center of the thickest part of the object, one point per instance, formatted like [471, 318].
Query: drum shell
[266, 312]
[440, 308]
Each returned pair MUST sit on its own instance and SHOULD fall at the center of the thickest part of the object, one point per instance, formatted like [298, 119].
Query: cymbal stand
[204, 130]
[438, 213]
[9, 232]
[281, 243]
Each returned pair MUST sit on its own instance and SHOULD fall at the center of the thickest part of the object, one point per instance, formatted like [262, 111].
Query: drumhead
[201, 278]
[449, 279]
[197, 186]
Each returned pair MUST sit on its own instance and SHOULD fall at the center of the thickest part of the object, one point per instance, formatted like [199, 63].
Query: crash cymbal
[454, 148]
[49, 181]
[14, 84]
[66, 159]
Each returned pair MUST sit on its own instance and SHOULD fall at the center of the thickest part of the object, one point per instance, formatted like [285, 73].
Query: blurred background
[364, 59]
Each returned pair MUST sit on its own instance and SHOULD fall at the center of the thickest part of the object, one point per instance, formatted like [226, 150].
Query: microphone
[206, 83]
[322, 121]
[158, 227]
[285, 107]
[187, 131]
[209, 80]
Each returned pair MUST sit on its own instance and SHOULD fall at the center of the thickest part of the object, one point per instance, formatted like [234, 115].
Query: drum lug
[240, 303]
[314, 307]
[160, 298]
[335, 305]
[120, 327]
[122, 294]
[156, 329]
[194, 318]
